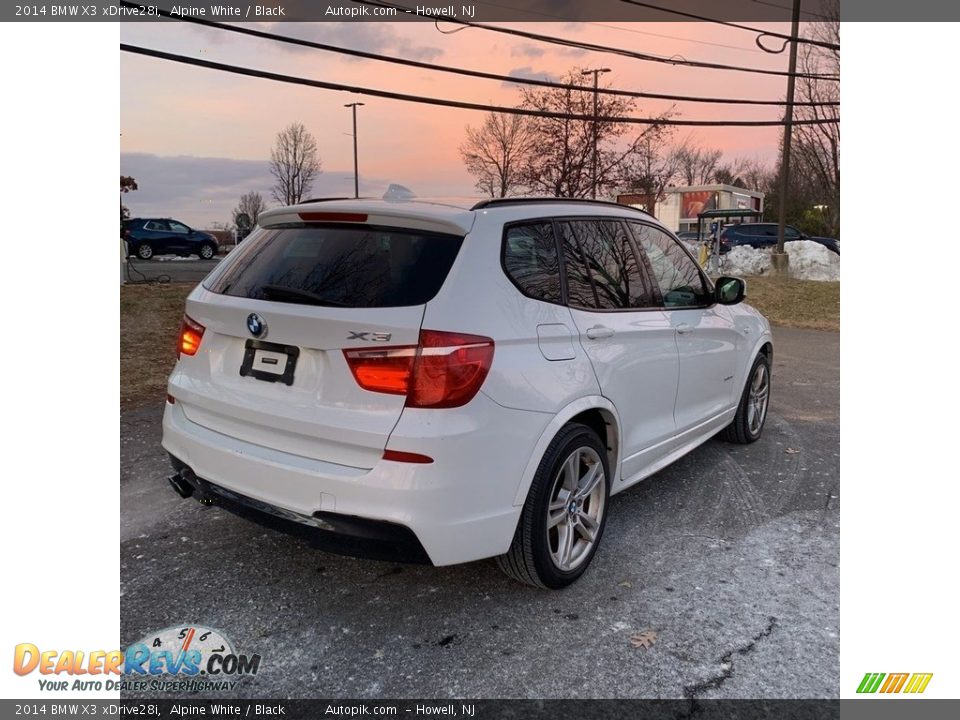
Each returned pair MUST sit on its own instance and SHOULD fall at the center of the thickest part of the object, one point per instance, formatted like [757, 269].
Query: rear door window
[602, 268]
[339, 266]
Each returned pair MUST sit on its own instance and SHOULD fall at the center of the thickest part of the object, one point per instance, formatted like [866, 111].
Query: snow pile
[808, 261]
[745, 260]
[812, 261]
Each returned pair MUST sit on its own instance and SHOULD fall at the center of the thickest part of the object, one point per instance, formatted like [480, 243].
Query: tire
[144, 251]
[207, 251]
[745, 429]
[536, 555]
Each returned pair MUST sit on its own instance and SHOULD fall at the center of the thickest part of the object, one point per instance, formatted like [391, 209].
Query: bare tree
[653, 169]
[560, 159]
[294, 163]
[697, 165]
[753, 174]
[816, 148]
[251, 204]
[493, 153]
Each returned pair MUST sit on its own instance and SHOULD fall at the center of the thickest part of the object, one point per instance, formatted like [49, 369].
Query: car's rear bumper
[456, 509]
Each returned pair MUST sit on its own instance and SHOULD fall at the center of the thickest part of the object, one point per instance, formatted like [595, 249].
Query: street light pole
[780, 258]
[593, 173]
[356, 173]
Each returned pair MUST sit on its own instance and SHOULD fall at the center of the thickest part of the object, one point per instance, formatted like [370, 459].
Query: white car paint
[665, 380]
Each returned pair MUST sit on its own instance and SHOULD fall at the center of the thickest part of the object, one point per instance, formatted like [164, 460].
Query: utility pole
[356, 173]
[780, 258]
[593, 174]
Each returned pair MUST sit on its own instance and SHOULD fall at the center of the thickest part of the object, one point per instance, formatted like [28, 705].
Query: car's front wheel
[144, 251]
[207, 251]
[565, 512]
[751, 414]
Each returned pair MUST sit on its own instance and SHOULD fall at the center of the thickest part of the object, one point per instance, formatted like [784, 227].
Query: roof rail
[501, 202]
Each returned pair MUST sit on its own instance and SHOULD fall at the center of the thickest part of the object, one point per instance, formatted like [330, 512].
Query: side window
[678, 276]
[618, 282]
[530, 259]
[580, 291]
[791, 233]
[179, 227]
[156, 225]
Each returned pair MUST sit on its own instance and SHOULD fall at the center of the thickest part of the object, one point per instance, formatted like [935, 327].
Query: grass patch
[149, 323]
[796, 303]
[150, 320]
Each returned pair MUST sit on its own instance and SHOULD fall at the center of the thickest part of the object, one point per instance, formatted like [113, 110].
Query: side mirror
[730, 290]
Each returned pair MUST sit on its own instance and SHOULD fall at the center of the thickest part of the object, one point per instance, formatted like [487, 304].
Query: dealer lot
[730, 556]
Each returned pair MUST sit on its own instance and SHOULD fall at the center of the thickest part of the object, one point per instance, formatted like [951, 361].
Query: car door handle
[684, 328]
[599, 331]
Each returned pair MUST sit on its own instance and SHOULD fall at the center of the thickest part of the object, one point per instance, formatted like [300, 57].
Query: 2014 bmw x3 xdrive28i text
[443, 383]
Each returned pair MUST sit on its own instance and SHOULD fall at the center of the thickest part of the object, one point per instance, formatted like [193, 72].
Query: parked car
[441, 384]
[762, 235]
[147, 237]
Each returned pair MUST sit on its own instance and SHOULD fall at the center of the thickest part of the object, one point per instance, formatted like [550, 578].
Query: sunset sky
[196, 139]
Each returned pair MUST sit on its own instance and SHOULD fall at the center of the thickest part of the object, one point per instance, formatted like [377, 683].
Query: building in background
[680, 206]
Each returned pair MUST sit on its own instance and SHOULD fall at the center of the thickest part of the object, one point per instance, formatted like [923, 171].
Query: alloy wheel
[576, 507]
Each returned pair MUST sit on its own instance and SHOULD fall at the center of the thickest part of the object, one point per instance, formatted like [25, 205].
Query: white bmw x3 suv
[440, 383]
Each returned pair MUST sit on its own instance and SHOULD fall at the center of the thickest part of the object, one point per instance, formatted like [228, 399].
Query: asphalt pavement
[730, 556]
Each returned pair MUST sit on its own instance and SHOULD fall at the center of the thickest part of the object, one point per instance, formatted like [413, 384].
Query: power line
[262, 34]
[592, 47]
[693, 16]
[374, 92]
[608, 26]
[809, 13]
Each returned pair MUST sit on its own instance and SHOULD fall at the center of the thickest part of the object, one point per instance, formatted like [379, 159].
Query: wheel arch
[597, 413]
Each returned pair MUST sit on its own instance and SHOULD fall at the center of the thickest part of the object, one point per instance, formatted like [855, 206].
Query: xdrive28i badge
[256, 325]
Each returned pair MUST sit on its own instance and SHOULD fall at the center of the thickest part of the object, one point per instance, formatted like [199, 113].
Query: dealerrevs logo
[175, 659]
[892, 683]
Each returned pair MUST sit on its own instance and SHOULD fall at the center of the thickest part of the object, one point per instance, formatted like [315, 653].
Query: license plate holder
[259, 359]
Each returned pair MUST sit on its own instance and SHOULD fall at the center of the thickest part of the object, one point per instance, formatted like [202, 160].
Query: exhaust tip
[180, 486]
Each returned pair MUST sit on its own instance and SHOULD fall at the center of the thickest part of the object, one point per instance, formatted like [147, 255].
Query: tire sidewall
[549, 574]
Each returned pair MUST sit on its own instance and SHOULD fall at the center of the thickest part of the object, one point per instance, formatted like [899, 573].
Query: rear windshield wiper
[278, 292]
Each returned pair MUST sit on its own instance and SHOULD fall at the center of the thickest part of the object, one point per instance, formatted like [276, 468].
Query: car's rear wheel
[207, 251]
[751, 414]
[565, 512]
[144, 251]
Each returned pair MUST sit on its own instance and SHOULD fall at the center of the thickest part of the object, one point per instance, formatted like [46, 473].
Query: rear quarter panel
[478, 298]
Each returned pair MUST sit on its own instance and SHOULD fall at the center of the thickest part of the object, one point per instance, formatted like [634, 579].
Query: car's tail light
[385, 370]
[191, 333]
[445, 370]
[449, 369]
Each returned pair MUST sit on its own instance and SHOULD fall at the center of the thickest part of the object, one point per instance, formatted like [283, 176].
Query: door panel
[706, 338]
[707, 346]
[630, 342]
[179, 241]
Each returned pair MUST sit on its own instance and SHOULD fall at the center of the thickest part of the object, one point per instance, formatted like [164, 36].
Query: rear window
[339, 266]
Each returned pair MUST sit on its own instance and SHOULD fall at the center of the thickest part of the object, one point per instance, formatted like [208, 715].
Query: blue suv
[147, 237]
[762, 235]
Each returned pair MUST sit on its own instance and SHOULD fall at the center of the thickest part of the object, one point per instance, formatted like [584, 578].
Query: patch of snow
[812, 261]
[808, 261]
[745, 260]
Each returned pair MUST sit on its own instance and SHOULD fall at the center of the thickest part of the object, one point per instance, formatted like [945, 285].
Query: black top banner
[495, 11]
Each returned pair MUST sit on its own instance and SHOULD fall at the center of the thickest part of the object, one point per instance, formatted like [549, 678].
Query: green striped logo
[911, 683]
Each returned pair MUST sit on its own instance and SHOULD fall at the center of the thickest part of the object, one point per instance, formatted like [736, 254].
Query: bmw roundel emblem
[256, 325]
